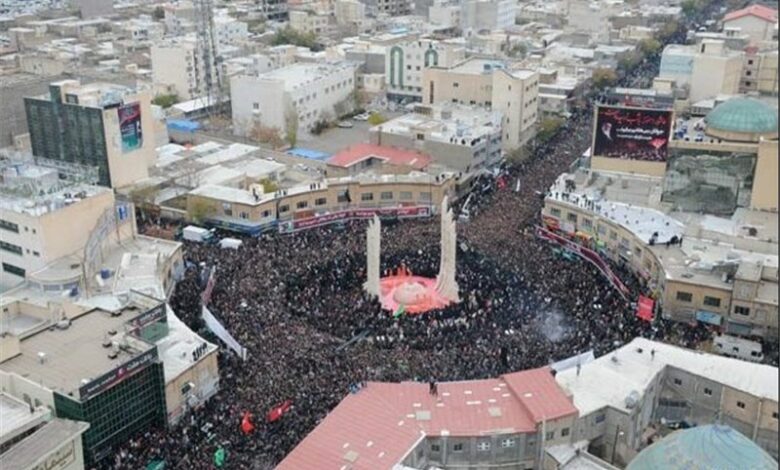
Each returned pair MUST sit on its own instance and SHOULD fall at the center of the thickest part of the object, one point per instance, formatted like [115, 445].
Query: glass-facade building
[67, 131]
[116, 413]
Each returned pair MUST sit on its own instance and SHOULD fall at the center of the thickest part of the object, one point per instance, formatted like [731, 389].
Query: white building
[180, 17]
[350, 12]
[229, 32]
[759, 22]
[177, 69]
[445, 13]
[143, 31]
[487, 14]
[405, 62]
[297, 95]
[308, 22]
[708, 68]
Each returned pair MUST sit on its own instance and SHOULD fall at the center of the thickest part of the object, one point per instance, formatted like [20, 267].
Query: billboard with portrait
[632, 133]
[130, 127]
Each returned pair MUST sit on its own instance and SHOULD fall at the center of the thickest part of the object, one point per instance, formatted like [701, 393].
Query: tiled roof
[376, 427]
[759, 11]
[392, 155]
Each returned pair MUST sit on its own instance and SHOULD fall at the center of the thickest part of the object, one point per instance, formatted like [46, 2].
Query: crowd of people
[296, 302]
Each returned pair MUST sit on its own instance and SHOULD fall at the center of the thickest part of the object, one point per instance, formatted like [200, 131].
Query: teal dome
[743, 115]
[710, 447]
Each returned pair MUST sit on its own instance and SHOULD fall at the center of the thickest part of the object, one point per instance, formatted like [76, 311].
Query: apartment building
[759, 72]
[458, 137]
[708, 68]
[759, 22]
[490, 83]
[489, 15]
[102, 125]
[406, 61]
[308, 22]
[180, 17]
[177, 68]
[389, 8]
[293, 97]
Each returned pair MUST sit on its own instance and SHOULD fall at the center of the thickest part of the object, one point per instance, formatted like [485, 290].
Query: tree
[291, 130]
[376, 119]
[266, 135]
[649, 46]
[288, 35]
[268, 186]
[604, 77]
[548, 128]
[158, 13]
[518, 50]
[689, 8]
[199, 210]
[166, 101]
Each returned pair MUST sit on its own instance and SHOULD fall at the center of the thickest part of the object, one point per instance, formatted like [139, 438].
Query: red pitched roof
[759, 11]
[375, 428]
[395, 156]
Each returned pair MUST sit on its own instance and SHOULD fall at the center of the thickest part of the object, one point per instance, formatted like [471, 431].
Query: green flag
[156, 465]
[219, 457]
[399, 311]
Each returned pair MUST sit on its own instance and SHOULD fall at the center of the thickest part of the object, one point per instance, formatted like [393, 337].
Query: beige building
[708, 69]
[308, 22]
[759, 22]
[490, 83]
[176, 69]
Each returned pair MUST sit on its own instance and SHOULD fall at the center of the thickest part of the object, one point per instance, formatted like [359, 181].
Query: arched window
[396, 67]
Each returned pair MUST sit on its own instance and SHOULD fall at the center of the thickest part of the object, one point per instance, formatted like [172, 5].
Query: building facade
[708, 68]
[102, 125]
[406, 61]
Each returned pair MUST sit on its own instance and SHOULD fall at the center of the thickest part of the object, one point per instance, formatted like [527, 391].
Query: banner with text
[632, 133]
[216, 327]
[644, 308]
[130, 127]
[352, 214]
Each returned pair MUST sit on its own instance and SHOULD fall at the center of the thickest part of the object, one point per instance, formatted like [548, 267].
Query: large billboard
[117, 375]
[632, 133]
[130, 126]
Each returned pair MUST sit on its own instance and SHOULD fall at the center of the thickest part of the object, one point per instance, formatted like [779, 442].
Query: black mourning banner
[632, 134]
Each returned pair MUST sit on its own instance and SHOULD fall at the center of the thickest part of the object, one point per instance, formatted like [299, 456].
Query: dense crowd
[296, 303]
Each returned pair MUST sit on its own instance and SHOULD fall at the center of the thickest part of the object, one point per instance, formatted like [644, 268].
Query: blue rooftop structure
[183, 125]
[747, 115]
[309, 153]
[710, 447]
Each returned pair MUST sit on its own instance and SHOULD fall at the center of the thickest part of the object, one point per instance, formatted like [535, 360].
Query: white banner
[216, 327]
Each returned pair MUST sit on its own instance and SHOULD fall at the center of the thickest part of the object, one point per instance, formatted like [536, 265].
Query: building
[458, 137]
[708, 69]
[489, 15]
[292, 98]
[757, 21]
[759, 72]
[177, 68]
[350, 13]
[103, 125]
[714, 194]
[93, 8]
[308, 22]
[391, 8]
[274, 10]
[405, 62]
[251, 211]
[229, 32]
[180, 17]
[363, 158]
[493, 84]
[32, 438]
[501, 422]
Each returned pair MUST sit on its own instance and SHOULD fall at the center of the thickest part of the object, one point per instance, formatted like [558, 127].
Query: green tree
[649, 46]
[376, 119]
[158, 13]
[689, 7]
[288, 35]
[268, 185]
[199, 209]
[548, 127]
[166, 101]
[604, 77]
[291, 130]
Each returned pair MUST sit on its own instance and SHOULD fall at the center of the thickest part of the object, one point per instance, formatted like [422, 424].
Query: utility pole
[209, 56]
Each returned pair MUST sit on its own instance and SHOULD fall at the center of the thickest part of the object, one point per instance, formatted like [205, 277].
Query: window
[457, 448]
[555, 212]
[405, 195]
[741, 405]
[711, 301]
[255, 105]
[455, 85]
[571, 217]
[420, 136]
[740, 310]
[677, 382]
[550, 436]
[284, 208]
[302, 204]
[343, 196]
[748, 73]
[35, 253]
[483, 446]
[425, 197]
[708, 391]
[367, 197]
[774, 414]
[564, 432]
[186, 388]
[684, 296]
[600, 418]
[10, 268]
[750, 62]
[320, 201]
[266, 213]
[385, 195]
[11, 248]
[244, 215]
[587, 223]
[435, 448]
[612, 235]
[507, 443]
[10, 226]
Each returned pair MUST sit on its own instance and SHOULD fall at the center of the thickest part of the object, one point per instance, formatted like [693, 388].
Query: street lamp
[618, 434]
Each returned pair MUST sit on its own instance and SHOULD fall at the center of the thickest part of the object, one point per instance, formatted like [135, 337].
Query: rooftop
[478, 66]
[759, 11]
[610, 379]
[31, 451]
[303, 74]
[18, 417]
[447, 123]
[743, 115]
[360, 152]
[377, 426]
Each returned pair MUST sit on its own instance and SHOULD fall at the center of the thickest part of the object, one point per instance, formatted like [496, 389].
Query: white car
[362, 117]
[345, 124]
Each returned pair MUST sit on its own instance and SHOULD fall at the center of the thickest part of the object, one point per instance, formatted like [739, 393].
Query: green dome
[745, 115]
[710, 447]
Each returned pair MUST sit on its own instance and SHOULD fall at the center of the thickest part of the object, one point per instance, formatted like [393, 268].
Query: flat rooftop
[30, 452]
[607, 382]
[75, 353]
[360, 152]
[16, 417]
[448, 123]
[303, 74]
[477, 66]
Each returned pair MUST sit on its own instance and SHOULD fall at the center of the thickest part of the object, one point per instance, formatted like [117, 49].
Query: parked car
[362, 117]
[345, 124]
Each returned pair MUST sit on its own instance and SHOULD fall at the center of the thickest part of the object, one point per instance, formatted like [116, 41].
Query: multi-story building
[350, 13]
[307, 21]
[177, 68]
[492, 15]
[274, 10]
[229, 32]
[292, 98]
[180, 17]
[759, 22]
[406, 61]
[459, 137]
[759, 72]
[143, 31]
[490, 83]
[699, 225]
[503, 422]
[103, 125]
[389, 7]
[93, 8]
[708, 69]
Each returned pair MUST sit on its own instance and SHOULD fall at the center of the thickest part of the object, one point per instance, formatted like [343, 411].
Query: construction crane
[209, 55]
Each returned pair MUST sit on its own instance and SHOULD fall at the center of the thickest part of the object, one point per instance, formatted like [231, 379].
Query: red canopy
[277, 412]
[644, 308]
[246, 423]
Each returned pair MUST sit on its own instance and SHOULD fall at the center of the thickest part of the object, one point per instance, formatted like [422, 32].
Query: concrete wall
[757, 28]
[130, 167]
[204, 375]
[21, 387]
[764, 195]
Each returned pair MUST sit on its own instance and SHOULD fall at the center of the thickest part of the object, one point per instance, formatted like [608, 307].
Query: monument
[404, 292]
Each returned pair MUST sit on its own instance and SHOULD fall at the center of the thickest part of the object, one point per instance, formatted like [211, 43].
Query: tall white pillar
[446, 285]
[373, 238]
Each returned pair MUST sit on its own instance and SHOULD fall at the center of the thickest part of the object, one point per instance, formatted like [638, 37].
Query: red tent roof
[759, 11]
[395, 156]
[375, 428]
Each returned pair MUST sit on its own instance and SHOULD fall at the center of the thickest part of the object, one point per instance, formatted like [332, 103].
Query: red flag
[501, 183]
[644, 308]
[277, 412]
[246, 423]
